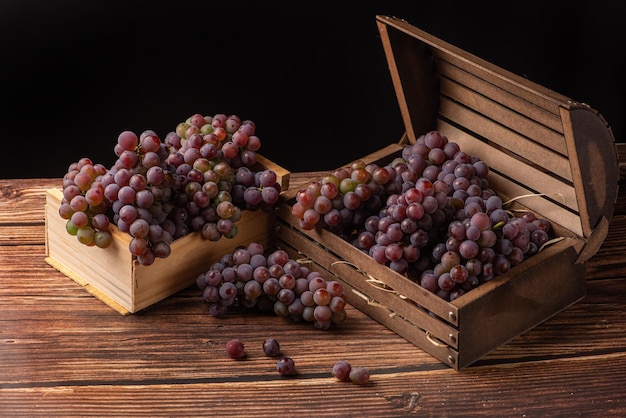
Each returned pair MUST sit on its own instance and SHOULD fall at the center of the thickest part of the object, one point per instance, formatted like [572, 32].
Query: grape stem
[533, 195]
[435, 341]
[550, 242]
[372, 302]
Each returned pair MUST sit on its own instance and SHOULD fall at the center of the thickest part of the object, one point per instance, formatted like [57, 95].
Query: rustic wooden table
[63, 352]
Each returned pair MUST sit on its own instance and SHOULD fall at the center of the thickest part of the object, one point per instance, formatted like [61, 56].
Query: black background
[311, 75]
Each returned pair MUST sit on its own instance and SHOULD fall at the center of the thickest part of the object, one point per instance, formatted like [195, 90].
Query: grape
[322, 313]
[459, 273]
[341, 370]
[86, 235]
[128, 140]
[468, 249]
[322, 296]
[286, 296]
[270, 195]
[102, 239]
[336, 304]
[286, 366]
[139, 228]
[538, 237]
[359, 375]
[235, 349]
[94, 196]
[161, 249]
[271, 347]
[79, 219]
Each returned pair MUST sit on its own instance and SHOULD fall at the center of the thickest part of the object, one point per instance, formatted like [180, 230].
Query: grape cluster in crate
[198, 178]
[429, 214]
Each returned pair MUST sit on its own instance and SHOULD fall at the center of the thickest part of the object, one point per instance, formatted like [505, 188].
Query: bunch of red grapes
[198, 178]
[429, 214]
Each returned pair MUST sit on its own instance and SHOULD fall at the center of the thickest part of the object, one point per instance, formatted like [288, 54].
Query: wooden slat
[506, 138]
[27, 234]
[22, 227]
[621, 159]
[594, 165]
[519, 125]
[415, 80]
[504, 97]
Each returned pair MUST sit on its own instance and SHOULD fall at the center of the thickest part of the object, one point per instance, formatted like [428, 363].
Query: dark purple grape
[271, 347]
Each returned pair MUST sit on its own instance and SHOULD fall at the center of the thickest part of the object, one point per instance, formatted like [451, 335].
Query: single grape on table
[271, 347]
[286, 366]
[341, 370]
[235, 349]
[359, 375]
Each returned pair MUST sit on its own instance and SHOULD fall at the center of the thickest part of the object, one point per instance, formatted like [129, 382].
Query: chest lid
[538, 143]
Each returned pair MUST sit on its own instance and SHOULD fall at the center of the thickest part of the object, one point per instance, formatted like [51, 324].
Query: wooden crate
[114, 277]
[535, 141]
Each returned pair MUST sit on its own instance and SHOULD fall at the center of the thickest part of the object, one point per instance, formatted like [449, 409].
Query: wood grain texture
[65, 353]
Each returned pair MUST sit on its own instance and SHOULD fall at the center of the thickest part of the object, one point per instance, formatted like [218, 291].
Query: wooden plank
[594, 163]
[51, 322]
[502, 136]
[529, 131]
[608, 262]
[29, 192]
[21, 210]
[415, 80]
[27, 234]
[394, 391]
[509, 100]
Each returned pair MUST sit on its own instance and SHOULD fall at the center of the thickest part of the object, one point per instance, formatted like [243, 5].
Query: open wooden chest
[535, 142]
